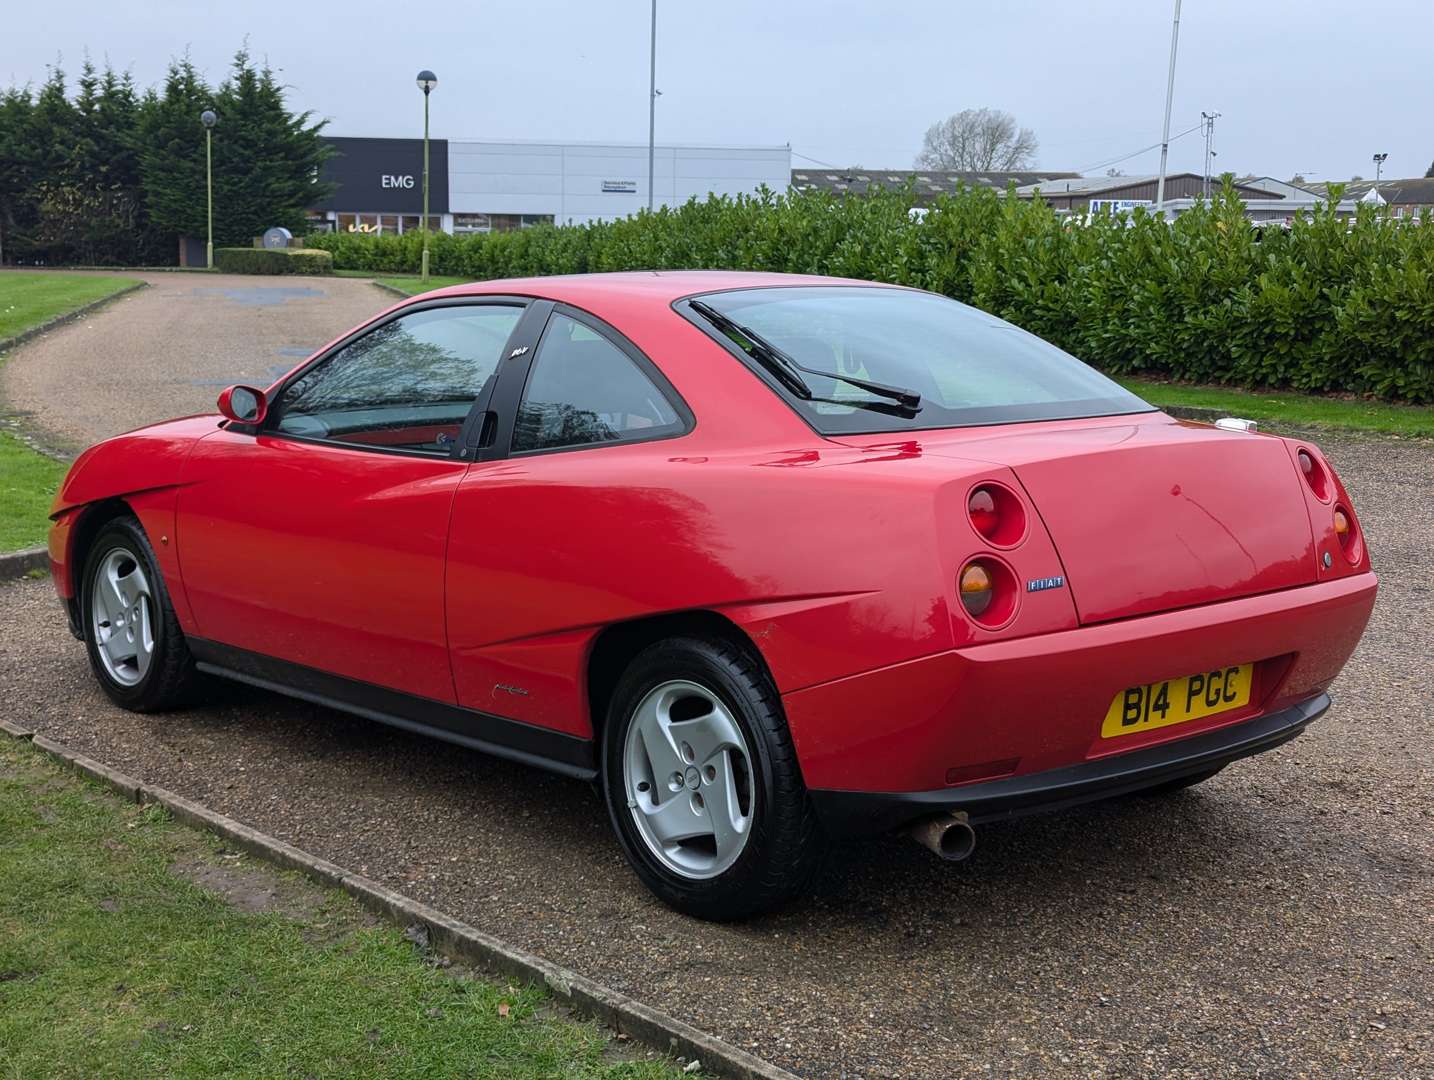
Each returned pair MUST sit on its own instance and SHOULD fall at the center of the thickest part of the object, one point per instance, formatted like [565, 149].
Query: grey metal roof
[927, 181]
[1418, 191]
[1089, 184]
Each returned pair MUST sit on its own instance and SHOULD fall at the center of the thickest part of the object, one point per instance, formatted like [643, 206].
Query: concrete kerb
[16, 564]
[445, 934]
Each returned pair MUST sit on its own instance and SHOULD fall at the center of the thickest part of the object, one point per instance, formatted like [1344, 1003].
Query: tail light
[988, 592]
[976, 589]
[1315, 474]
[1347, 533]
[997, 514]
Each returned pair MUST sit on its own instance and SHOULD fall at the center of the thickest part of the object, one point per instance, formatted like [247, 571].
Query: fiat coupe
[771, 559]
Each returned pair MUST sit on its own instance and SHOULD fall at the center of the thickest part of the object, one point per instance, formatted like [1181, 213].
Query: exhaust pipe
[949, 835]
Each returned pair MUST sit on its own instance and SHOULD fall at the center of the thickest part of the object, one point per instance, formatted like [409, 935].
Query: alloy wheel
[122, 617]
[687, 777]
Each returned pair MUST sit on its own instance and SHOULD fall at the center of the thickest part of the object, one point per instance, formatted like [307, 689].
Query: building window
[464, 223]
[513, 222]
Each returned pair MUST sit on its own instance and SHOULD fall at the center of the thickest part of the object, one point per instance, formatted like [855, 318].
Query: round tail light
[975, 589]
[1346, 531]
[1341, 525]
[997, 514]
[1315, 474]
[987, 588]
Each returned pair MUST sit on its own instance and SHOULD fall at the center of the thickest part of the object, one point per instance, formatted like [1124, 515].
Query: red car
[772, 558]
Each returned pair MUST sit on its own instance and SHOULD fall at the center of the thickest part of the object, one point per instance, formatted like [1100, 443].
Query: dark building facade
[379, 184]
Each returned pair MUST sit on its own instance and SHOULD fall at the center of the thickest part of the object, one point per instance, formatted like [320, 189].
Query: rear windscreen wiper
[789, 370]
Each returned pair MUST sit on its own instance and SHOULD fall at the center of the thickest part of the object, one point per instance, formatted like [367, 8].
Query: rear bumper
[860, 812]
[1009, 710]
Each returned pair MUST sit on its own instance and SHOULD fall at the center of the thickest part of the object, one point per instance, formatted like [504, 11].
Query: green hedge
[1334, 304]
[236, 260]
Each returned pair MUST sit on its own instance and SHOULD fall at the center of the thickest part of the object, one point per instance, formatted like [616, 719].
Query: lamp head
[426, 81]
[208, 118]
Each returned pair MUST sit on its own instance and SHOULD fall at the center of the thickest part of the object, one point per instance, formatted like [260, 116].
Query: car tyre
[136, 648]
[769, 844]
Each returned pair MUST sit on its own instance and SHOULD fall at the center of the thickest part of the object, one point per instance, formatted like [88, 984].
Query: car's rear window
[969, 367]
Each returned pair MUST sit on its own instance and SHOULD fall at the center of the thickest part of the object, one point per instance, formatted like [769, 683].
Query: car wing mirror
[243, 404]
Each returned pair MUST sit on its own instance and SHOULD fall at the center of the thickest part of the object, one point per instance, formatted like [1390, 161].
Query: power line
[814, 161]
[1136, 153]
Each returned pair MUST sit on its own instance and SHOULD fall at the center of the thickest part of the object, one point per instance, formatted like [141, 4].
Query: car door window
[406, 385]
[583, 391]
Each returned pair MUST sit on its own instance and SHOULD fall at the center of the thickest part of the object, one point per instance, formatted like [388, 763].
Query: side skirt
[554, 751]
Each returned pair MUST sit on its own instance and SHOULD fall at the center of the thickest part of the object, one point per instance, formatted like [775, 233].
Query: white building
[482, 186]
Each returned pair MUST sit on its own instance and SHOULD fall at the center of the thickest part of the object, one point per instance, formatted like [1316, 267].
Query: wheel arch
[617, 645]
[154, 512]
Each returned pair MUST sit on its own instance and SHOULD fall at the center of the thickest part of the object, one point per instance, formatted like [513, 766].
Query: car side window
[583, 390]
[406, 385]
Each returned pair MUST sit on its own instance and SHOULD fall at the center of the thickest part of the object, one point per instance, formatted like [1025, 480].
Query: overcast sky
[1314, 87]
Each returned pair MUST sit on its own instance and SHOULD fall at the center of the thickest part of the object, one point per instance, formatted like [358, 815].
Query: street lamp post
[426, 82]
[208, 118]
[1379, 160]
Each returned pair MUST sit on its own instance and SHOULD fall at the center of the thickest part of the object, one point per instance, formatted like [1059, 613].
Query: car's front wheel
[702, 781]
[135, 645]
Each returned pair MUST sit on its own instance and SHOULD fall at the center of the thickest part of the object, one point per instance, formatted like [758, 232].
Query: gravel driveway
[169, 349]
[1278, 921]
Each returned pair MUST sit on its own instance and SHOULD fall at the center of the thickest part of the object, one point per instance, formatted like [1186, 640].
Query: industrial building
[490, 186]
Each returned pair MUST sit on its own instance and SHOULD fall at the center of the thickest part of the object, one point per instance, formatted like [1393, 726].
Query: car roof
[660, 286]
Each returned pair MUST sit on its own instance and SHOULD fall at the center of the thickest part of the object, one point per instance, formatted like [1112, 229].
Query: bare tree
[978, 140]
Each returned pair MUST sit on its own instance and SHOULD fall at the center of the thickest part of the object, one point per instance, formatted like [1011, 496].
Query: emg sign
[384, 176]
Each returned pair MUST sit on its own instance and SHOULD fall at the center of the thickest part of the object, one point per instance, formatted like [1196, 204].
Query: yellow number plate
[1142, 708]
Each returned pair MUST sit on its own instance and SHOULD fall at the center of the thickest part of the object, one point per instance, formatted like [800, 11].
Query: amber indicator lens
[976, 589]
[1341, 525]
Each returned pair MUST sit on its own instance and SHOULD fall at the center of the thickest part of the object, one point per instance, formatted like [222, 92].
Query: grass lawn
[27, 486]
[28, 299]
[27, 479]
[115, 960]
[1292, 409]
[414, 285]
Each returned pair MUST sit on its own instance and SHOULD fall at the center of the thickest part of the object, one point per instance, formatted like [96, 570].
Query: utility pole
[1169, 97]
[1207, 121]
[652, 108]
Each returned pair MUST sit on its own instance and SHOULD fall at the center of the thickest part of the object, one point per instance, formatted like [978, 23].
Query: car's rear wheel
[702, 781]
[135, 645]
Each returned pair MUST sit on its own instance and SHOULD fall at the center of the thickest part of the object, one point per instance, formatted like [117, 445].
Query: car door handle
[487, 429]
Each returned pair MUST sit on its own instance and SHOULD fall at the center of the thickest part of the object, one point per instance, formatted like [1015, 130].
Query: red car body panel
[1031, 704]
[326, 556]
[485, 586]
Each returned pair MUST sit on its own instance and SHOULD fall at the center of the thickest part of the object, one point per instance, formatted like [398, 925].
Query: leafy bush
[273, 261]
[1334, 304]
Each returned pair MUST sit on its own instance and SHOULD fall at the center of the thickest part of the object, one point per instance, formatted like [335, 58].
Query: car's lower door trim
[555, 751]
